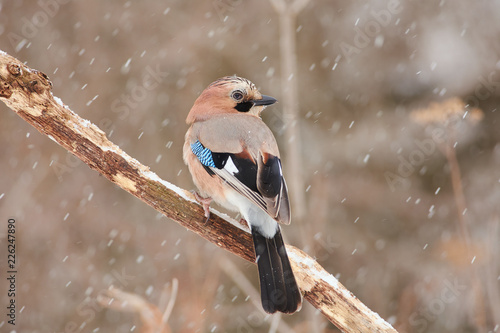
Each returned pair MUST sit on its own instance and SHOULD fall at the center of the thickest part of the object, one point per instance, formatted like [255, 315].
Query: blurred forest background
[377, 160]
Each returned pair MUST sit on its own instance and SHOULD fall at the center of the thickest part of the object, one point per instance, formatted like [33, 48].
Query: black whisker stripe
[244, 106]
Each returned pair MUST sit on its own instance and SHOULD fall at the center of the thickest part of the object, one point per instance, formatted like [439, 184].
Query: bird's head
[230, 94]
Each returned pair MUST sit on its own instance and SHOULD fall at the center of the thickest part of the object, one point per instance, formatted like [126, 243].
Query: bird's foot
[205, 203]
[244, 223]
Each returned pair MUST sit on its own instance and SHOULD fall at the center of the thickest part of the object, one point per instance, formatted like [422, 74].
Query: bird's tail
[278, 289]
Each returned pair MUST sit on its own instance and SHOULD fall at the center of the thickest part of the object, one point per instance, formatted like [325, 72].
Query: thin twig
[458, 192]
[171, 301]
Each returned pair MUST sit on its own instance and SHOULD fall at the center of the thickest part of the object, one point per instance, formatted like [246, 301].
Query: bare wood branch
[150, 315]
[28, 93]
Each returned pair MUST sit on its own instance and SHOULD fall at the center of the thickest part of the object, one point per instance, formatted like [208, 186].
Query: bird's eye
[237, 95]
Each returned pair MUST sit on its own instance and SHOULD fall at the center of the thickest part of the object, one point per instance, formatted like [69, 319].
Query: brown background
[396, 247]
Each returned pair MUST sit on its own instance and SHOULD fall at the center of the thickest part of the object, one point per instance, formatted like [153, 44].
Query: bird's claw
[244, 223]
[205, 203]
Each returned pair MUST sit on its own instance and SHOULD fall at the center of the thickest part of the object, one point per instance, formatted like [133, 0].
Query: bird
[234, 160]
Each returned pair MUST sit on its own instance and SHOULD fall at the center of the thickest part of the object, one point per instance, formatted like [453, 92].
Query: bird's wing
[259, 179]
[271, 184]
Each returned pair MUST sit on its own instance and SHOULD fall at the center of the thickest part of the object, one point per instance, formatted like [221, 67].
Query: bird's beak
[266, 100]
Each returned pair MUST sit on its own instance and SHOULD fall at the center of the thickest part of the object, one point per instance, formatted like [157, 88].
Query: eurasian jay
[234, 160]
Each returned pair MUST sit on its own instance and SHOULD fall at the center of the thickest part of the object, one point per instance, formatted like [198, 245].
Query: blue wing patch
[204, 154]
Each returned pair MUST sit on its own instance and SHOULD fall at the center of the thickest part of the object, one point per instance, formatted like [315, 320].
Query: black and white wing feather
[260, 181]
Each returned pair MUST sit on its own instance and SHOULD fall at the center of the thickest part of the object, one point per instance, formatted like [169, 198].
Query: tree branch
[28, 93]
